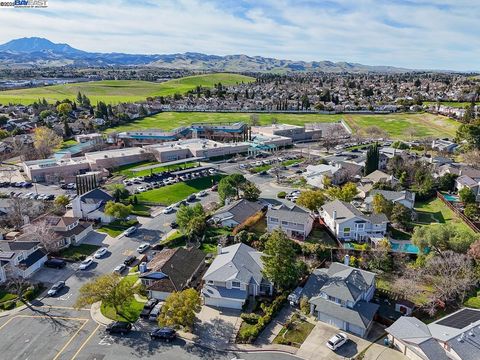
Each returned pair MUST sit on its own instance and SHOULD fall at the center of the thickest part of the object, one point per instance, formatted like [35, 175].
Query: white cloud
[430, 34]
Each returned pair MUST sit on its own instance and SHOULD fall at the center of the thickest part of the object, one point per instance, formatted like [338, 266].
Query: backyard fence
[459, 213]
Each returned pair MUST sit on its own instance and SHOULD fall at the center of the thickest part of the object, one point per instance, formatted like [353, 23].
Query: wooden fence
[458, 213]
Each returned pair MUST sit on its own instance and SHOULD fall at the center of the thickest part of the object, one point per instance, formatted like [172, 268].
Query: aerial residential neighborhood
[239, 180]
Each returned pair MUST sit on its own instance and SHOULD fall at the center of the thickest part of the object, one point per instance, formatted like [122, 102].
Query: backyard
[320, 236]
[174, 193]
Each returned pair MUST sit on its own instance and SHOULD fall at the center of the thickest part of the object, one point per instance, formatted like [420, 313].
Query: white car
[212, 171]
[130, 231]
[143, 247]
[86, 263]
[168, 210]
[100, 252]
[202, 193]
[141, 189]
[336, 341]
[119, 269]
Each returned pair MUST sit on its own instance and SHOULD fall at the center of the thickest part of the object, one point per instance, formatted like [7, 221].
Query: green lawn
[174, 240]
[141, 210]
[68, 143]
[295, 336]
[171, 194]
[130, 311]
[259, 169]
[6, 296]
[319, 236]
[116, 227]
[435, 211]
[396, 125]
[473, 301]
[79, 252]
[456, 104]
[116, 91]
[127, 170]
[208, 248]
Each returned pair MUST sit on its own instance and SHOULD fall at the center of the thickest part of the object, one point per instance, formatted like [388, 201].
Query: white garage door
[225, 303]
[332, 321]
[356, 329]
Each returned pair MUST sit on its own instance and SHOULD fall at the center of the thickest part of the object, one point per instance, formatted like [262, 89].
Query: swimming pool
[406, 248]
[451, 198]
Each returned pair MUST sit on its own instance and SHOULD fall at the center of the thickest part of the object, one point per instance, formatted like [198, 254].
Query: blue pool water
[408, 248]
[451, 198]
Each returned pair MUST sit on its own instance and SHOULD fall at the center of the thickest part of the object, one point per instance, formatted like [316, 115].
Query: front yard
[294, 333]
[79, 252]
[115, 228]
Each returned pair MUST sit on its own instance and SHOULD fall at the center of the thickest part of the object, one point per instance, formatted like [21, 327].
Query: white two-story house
[234, 275]
[348, 223]
[69, 230]
[20, 258]
[295, 221]
[91, 206]
[341, 295]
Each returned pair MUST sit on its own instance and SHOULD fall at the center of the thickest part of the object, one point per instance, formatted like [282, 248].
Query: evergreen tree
[373, 156]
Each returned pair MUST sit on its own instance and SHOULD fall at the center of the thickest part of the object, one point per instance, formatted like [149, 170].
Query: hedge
[282, 195]
[248, 334]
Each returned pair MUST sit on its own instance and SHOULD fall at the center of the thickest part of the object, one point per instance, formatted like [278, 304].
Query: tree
[226, 190]
[180, 308]
[279, 260]
[331, 137]
[250, 191]
[471, 134]
[64, 109]
[446, 182]
[119, 191]
[443, 237]
[345, 193]
[401, 215]
[472, 158]
[311, 199]
[379, 258]
[381, 205]
[474, 250]
[109, 289]
[45, 141]
[62, 200]
[191, 220]
[42, 232]
[254, 120]
[471, 211]
[466, 195]
[304, 305]
[118, 210]
[376, 132]
[19, 210]
[373, 157]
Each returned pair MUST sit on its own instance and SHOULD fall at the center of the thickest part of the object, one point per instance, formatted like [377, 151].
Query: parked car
[212, 171]
[130, 231]
[141, 189]
[337, 341]
[191, 198]
[86, 263]
[56, 288]
[147, 308]
[202, 193]
[168, 210]
[173, 225]
[155, 312]
[119, 269]
[165, 333]
[100, 252]
[119, 327]
[143, 247]
[55, 263]
[129, 260]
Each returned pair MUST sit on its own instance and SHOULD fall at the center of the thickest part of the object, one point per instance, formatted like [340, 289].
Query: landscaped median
[10, 300]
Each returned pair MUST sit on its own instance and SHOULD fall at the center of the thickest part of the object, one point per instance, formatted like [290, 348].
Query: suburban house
[444, 145]
[234, 275]
[91, 206]
[23, 258]
[172, 270]
[454, 336]
[405, 197]
[236, 213]
[337, 172]
[379, 176]
[69, 230]
[465, 181]
[295, 221]
[348, 223]
[341, 295]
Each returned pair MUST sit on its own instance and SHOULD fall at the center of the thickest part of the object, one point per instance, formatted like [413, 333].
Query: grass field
[127, 170]
[455, 104]
[116, 91]
[435, 211]
[174, 193]
[395, 125]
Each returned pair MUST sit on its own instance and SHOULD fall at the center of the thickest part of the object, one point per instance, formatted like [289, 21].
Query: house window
[275, 220]
[264, 289]
[210, 282]
[346, 231]
[235, 284]
[285, 223]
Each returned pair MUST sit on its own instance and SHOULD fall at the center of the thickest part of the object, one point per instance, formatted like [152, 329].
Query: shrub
[8, 305]
[250, 318]
[281, 195]
[29, 295]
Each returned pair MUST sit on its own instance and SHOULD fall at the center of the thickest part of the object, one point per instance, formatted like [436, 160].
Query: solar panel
[461, 319]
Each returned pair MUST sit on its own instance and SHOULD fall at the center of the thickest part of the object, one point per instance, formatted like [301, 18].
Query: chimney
[219, 249]
[460, 172]
[346, 260]
[334, 214]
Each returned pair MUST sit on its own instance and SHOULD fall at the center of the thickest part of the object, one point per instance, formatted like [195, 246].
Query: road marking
[65, 297]
[6, 323]
[69, 341]
[51, 317]
[85, 342]
[62, 307]
[106, 340]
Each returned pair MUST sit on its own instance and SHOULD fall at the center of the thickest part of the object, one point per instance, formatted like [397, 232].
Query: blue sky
[430, 34]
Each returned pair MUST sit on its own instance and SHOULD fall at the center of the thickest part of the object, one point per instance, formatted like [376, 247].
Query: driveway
[216, 327]
[314, 346]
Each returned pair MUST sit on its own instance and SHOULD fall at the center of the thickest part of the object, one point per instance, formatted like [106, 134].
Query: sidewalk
[273, 328]
[97, 315]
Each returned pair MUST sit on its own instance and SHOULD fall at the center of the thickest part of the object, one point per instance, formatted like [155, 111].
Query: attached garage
[357, 330]
[331, 320]
[224, 302]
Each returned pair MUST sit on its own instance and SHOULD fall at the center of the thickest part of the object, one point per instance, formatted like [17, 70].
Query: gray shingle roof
[432, 349]
[292, 214]
[360, 315]
[340, 281]
[96, 196]
[241, 210]
[346, 211]
[237, 262]
[409, 329]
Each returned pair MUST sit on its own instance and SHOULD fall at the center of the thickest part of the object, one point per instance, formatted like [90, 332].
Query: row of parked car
[191, 198]
[121, 327]
[32, 196]
[17, 184]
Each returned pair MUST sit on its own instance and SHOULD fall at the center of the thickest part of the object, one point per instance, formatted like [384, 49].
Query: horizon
[435, 35]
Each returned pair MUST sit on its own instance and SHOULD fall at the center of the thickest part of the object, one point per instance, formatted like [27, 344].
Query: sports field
[396, 125]
[116, 91]
[455, 104]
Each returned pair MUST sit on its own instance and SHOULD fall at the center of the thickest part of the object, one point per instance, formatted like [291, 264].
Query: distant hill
[34, 51]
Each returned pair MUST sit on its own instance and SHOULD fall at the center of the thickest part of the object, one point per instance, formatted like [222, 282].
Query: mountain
[34, 51]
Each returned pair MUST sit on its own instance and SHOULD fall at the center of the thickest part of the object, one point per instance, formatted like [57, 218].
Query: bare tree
[16, 284]
[42, 232]
[472, 158]
[331, 137]
[375, 132]
[411, 133]
[19, 209]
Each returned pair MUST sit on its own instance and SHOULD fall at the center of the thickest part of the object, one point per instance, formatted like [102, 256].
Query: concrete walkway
[381, 352]
[273, 328]
[97, 315]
